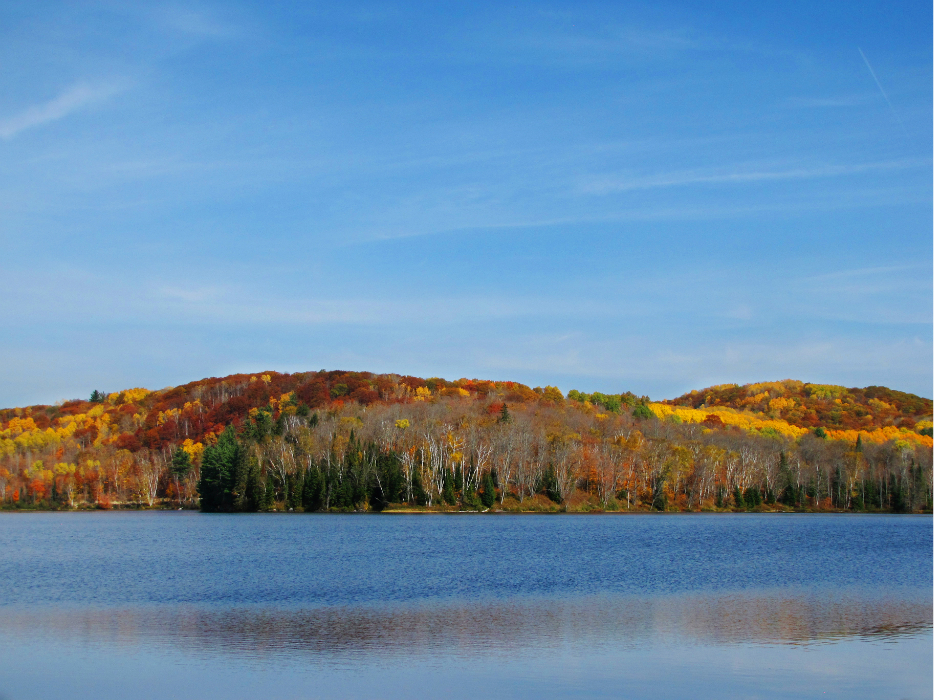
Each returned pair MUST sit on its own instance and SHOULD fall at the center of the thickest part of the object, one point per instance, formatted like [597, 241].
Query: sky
[649, 197]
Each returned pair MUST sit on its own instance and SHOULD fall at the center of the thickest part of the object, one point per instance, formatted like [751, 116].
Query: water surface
[189, 605]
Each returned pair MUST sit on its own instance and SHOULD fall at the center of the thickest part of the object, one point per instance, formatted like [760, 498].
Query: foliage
[346, 441]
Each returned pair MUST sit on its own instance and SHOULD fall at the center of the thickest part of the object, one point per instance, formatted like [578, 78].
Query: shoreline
[452, 511]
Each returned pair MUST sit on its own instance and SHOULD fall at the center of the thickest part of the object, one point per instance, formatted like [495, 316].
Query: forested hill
[817, 405]
[358, 441]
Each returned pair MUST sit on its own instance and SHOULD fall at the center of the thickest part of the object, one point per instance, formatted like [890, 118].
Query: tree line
[302, 443]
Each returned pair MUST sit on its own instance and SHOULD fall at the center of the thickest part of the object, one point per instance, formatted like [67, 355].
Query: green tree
[221, 469]
[488, 490]
[447, 491]
[253, 492]
[504, 416]
[642, 412]
[179, 469]
[313, 491]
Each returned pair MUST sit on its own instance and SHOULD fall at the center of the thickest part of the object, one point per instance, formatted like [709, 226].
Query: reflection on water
[189, 606]
[467, 629]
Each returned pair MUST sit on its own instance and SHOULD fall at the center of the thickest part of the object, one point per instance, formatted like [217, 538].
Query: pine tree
[221, 473]
[181, 463]
[504, 416]
[488, 492]
[447, 491]
[253, 489]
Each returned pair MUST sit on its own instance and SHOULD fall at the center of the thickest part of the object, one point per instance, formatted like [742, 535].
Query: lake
[187, 605]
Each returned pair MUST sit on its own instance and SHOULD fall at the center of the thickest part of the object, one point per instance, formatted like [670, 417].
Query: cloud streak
[71, 100]
[696, 177]
[881, 89]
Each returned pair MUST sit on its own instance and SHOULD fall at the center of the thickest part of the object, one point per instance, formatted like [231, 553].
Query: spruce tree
[253, 489]
[221, 473]
[447, 491]
[488, 492]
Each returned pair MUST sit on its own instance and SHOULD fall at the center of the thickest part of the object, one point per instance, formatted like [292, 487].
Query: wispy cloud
[71, 100]
[738, 177]
[881, 89]
[828, 102]
[198, 23]
[866, 272]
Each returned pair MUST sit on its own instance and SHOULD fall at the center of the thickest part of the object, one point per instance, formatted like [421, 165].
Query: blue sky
[650, 197]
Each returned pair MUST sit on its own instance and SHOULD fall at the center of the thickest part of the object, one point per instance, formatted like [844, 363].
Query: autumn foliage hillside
[876, 412]
[359, 441]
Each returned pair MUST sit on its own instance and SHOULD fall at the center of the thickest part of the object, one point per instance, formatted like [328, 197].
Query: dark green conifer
[504, 416]
[221, 470]
[488, 490]
[447, 491]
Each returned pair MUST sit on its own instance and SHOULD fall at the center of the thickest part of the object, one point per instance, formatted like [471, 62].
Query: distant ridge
[145, 418]
[817, 405]
[352, 441]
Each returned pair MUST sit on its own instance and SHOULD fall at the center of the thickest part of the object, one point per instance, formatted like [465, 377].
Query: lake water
[185, 605]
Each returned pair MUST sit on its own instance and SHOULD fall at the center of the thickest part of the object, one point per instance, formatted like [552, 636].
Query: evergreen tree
[179, 468]
[920, 493]
[550, 485]
[221, 470]
[181, 463]
[859, 500]
[488, 490]
[261, 425]
[738, 498]
[752, 497]
[253, 489]
[418, 491]
[899, 500]
[470, 500]
[312, 493]
[447, 491]
[504, 416]
[295, 485]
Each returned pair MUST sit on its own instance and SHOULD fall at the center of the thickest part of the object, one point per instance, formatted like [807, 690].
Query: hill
[817, 405]
[356, 440]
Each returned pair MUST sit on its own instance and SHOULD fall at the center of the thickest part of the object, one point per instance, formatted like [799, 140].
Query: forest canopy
[352, 441]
